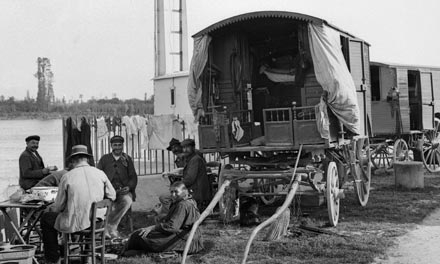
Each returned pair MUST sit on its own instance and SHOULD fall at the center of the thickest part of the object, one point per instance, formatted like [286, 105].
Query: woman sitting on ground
[172, 232]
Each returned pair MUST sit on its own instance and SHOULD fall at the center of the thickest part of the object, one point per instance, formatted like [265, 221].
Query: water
[12, 144]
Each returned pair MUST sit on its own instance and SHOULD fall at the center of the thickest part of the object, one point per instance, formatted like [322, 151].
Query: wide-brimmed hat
[33, 137]
[117, 139]
[188, 142]
[173, 142]
[79, 150]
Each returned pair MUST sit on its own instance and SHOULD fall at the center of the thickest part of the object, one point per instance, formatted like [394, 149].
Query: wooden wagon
[405, 102]
[259, 99]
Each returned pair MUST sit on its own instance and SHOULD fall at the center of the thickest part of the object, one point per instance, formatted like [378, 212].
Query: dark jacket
[120, 172]
[31, 169]
[196, 179]
[173, 231]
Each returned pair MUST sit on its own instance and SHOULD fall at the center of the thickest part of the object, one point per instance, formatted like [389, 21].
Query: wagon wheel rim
[362, 170]
[431, 150]
[401, 151]
[332, 191]
[270, 199]
[382, 156]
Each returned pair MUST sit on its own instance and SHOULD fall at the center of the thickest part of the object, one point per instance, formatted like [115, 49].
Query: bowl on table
[47, 194]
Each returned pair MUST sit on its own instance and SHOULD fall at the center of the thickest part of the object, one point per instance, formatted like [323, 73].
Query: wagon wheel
[361, 169]
[227, 202]
[382, 156]
[266, 187]
[401, 151]
[431, 149]
[332, 193]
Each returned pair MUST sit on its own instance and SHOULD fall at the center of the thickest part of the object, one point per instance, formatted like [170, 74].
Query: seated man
[172, 232]
[51, 180]
[70, 213]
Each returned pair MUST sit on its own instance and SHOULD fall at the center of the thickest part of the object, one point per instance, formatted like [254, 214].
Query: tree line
[11, 108]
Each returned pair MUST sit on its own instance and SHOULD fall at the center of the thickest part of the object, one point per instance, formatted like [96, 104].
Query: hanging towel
[237, 131]
[101, 127]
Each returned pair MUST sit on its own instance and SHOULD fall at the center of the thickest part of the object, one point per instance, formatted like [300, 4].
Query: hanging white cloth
[332, 73]
[237, 131]
[101, 128]
[160, 131]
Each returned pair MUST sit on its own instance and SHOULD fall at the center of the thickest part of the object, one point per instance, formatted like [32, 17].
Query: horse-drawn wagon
[405, 102]
[285, 96]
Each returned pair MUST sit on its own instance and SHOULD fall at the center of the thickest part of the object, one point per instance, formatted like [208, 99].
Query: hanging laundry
[101, 128]
[160, 131]
[177, 132]
[76, 135]
[237, 131]
[191, 129]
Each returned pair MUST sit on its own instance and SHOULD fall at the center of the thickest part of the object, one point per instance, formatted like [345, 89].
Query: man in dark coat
[31, 164]
[194, 175]
[172, 231]
[119, 168]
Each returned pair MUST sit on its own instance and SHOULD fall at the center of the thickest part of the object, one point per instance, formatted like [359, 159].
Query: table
[34, 212]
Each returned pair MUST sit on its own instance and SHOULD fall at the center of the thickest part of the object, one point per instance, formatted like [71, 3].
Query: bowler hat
[33, 137]
[79, 150]
[173, 142]
[188, 142]
[117, 139]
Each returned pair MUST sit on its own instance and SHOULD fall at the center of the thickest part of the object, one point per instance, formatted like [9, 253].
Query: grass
[362, 234]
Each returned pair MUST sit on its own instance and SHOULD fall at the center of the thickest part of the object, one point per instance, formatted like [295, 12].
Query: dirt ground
[420, 245]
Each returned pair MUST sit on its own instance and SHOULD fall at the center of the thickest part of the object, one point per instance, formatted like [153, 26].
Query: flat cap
[188, 142]
[117, 139]
[33, 137]
[173, 142]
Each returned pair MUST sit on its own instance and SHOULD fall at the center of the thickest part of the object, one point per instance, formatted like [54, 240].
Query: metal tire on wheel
[401, 151]
[361, 169]
[332, 193]
[431, 149]
[268, 188]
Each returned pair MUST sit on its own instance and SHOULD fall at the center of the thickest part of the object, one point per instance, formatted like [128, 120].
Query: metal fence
[146, 161]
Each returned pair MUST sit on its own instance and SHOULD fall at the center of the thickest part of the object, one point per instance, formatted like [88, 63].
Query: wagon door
[360, 71]
[436, 89]
[427, 93]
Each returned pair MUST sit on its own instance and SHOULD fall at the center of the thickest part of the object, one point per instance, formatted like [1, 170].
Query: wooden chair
[91, 239]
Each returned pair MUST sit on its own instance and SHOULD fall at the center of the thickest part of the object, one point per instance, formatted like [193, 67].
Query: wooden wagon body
[252, 109]
[405, 101]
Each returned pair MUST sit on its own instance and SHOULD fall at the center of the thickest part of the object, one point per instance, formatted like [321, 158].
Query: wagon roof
[268, 14]
[405, 66]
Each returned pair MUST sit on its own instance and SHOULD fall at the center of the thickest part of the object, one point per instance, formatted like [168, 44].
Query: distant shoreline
[27, 116]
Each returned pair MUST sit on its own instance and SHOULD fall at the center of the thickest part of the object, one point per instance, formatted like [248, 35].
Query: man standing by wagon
[31, 164]
[119, 168]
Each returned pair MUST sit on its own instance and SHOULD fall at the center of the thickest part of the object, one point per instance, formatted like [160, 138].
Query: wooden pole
[202, 217]
[286, 204]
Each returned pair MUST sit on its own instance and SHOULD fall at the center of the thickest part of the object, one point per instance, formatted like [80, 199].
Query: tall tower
[44, 75]
[171, 37]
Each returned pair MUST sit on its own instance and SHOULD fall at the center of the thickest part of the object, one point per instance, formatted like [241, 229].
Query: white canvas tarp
[198, 63]
[333, 75]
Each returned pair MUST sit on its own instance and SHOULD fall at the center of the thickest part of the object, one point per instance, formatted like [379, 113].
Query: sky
[103, 47]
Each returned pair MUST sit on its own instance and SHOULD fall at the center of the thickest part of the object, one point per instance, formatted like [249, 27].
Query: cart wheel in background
[401, 151]
[431, 150]
[382, 156]
[268, 188]
[361, 169]
[332, 193]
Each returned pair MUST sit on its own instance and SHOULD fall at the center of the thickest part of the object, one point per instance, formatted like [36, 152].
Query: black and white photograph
[219, 132]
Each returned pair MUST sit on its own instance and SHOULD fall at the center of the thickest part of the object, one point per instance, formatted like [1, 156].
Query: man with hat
[31, 164]
[70, 213]
[176, 148]
[194, 174]
[119, 168]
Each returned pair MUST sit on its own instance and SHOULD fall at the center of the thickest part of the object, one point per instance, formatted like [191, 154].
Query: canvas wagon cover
[330, 69]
